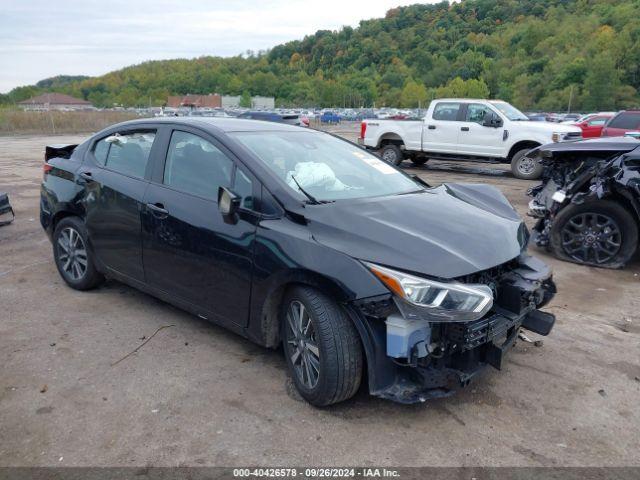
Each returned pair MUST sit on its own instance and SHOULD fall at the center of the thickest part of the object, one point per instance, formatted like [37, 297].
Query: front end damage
[580, 173]
[415, 360]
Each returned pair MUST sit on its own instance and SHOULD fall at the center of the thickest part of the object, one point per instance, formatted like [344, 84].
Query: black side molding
[539, 322]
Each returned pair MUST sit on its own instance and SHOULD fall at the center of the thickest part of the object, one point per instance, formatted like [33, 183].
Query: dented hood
[446, 232]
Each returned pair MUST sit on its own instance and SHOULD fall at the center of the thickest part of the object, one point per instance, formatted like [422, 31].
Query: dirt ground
[196, 394]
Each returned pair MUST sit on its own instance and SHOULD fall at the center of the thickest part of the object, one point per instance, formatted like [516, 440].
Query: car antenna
[309, 196]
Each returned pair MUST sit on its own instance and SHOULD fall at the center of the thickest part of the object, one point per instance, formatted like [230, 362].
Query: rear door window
[626, 120]
[126, 153]
[447, 111]
[196, 166]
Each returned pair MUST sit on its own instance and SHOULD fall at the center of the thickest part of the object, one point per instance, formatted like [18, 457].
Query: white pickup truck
[466, 129]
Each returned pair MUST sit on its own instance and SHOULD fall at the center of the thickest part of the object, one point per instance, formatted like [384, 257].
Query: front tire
[73, 257]
[322, 347]
[600, 233]
[525, 167]
[392, 154]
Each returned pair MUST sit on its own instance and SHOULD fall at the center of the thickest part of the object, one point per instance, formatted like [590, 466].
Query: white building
[259, 103]
[263, 103]
[230, 101]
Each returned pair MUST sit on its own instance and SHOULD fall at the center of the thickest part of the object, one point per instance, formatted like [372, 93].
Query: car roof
[217, 124]
[467, 100]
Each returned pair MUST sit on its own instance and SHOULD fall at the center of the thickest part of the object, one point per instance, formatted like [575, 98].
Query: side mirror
[228, 202]
[490, 119]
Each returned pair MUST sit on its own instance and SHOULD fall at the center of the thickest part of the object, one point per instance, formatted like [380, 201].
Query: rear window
[446, 111]
[626, 120]
[126, 153]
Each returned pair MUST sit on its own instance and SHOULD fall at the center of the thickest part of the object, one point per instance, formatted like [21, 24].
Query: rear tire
[600, 233]
[322, 347]
[525, 167]
[392, 154]
[73, 256]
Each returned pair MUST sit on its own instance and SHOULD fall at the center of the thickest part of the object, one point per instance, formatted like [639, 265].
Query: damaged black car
[588, 206]
[299, 239]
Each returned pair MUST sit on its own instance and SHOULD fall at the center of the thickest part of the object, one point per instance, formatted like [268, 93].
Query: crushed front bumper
[465, 349]
[478, 345]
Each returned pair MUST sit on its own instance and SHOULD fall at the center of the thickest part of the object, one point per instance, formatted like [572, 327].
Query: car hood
[445, 232]
[602, 144]
[547, 127]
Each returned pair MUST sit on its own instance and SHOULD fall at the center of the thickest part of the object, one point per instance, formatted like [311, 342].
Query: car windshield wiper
[311, 198]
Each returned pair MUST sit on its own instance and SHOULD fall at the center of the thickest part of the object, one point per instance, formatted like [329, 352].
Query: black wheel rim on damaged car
[72, 254]
[591, 237]
[302, 344]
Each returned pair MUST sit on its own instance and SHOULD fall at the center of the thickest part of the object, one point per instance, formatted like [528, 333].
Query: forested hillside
[535, 53]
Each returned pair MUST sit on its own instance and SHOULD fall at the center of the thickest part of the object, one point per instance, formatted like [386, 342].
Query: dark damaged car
[588, 206]
[296, 238]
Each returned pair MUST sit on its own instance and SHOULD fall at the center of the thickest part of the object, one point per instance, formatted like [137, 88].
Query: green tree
[601, 83]
[413, 95]
[459, 88]
[245, 99]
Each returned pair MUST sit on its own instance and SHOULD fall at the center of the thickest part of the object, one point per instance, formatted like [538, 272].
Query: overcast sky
[43, 38]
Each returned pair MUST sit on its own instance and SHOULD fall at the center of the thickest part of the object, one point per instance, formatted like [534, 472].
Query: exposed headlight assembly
[424, 299]
[557, 136]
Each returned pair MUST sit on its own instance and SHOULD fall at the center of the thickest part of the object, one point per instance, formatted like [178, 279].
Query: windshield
[325, 168]
[509, 111]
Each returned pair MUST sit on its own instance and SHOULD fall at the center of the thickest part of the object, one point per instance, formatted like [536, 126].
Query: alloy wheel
[302, 345]
[72, 253]
[591, 237]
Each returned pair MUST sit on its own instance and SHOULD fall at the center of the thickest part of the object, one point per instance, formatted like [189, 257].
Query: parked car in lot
[622, 123]
[588, 206]
[536, 117]
[592, 124]
[330, 117]
[466, 129]
[293, 237]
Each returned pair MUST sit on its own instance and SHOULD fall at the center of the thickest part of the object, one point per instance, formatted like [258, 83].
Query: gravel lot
[199, 395]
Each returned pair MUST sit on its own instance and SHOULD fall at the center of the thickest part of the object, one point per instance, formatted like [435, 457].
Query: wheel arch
[270, 321]
[390, 138]
[521, 145]
[269, 317]
[60, 215]
[628, 203]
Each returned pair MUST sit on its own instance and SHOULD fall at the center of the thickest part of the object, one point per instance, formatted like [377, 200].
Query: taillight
[363, 129]
[46, 168]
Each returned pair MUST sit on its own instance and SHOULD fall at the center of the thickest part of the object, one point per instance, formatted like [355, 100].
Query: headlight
[421, 298]
[557, 136]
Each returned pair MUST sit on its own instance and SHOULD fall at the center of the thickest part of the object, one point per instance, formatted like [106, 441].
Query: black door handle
[431, 127]
[157, 208]
[464, 129]
[87, 176]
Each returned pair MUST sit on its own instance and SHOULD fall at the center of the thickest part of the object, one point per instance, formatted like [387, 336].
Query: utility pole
[570, 99]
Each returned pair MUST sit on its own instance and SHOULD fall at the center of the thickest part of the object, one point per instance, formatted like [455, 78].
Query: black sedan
[297, 238]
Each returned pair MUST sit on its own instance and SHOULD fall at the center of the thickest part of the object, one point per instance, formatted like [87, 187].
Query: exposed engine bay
[588, 206]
